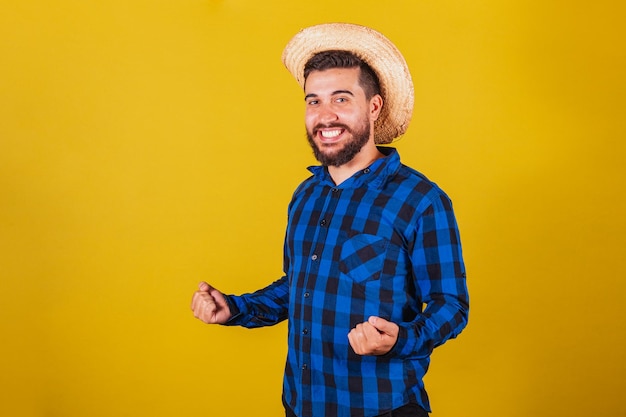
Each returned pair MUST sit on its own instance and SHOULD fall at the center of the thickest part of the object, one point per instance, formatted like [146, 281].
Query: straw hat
[378, 52]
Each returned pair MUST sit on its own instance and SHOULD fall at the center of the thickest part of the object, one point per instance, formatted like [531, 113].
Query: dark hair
[344, 59]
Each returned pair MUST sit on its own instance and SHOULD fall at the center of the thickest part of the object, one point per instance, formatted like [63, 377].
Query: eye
[312, 102]
[341, 100]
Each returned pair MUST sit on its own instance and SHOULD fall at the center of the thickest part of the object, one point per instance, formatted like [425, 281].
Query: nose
[326, 114]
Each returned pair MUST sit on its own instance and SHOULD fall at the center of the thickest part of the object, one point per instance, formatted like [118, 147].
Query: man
[374, 276]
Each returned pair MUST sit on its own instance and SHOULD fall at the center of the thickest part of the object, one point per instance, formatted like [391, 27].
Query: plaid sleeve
[265, 307]
[439, 274]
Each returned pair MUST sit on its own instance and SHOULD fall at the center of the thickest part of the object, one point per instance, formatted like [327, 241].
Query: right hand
[209, 305]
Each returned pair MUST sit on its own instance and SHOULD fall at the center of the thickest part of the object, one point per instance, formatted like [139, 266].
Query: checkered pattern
[385, 243]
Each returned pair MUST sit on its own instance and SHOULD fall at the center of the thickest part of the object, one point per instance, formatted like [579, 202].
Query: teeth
[330, 133]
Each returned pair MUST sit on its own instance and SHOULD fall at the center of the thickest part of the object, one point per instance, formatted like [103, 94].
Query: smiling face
[339, 118]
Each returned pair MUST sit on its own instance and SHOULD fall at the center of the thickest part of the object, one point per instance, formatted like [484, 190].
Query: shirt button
[314, 257]
[305, 331]
[366, 171]
[307, 295]
[304, 367]
[323, 222]
[334, 190]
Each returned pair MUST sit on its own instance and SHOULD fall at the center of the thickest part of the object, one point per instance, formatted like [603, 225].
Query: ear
[376, 105]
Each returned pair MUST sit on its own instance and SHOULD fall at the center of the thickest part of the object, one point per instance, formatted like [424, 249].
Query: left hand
[376, 336]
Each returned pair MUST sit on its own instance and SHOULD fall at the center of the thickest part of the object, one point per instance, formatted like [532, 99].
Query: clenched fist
[209, 305]
[376, 336]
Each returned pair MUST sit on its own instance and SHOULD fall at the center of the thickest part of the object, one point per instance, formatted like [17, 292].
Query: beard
[326, 154]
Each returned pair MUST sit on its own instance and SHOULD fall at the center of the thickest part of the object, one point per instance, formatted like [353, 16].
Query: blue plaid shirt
[383, 243]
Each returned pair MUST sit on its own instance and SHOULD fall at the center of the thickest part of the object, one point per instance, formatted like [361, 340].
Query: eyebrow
[311, 95]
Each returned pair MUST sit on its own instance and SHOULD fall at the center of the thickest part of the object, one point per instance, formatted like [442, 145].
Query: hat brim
[378, 52]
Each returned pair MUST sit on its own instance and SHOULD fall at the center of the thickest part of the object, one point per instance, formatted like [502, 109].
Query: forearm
[265, 307]
[444, 318]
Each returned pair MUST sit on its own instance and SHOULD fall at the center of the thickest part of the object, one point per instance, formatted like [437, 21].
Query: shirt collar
[374, 175]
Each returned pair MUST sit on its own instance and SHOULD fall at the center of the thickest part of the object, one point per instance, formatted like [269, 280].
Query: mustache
[319, 126]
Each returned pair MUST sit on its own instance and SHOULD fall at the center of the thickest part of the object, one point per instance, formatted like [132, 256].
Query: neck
[368, 154]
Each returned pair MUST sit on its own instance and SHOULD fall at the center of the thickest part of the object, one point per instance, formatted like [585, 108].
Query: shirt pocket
[363, 257]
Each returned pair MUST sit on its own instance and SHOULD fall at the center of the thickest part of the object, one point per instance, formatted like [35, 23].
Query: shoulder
[305, 185]
[414, 185]
[304, 189]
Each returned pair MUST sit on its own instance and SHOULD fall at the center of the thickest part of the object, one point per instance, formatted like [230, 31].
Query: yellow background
[148, 145]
